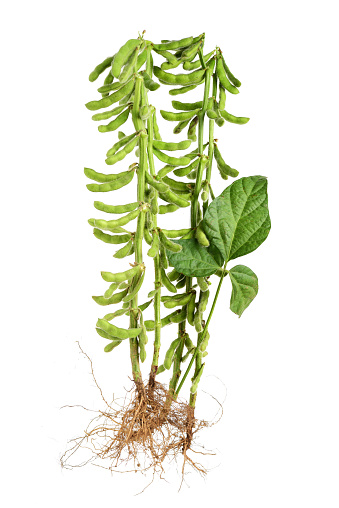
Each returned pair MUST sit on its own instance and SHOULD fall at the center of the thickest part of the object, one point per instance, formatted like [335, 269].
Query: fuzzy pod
[120, 333]
[170, 353]
[204, 343]
[122, 276]
[167, 208]
[116, 298]
[191, 308]
[202, 283]
[99, 69]
[198, 321]
[124, 91]
[129, 207]
[184, 89]
[166, 282]
[168, 244]
[154, 250]
[109, 292]
[121, 57]
[180, 316]
[134, 290]
[111, 239]
[124, 179]
[201, 237]
[196, 379]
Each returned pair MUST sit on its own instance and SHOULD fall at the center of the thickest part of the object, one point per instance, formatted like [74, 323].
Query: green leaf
[194, 260]
[244, 288]
[237, 221]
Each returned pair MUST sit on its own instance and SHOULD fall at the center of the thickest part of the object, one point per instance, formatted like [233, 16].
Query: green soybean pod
[175, 233]
[192, 78]
[117, 313]
[146, 111]
[156, 128]
[128, 99]
[180, 127]
[184, 89]
[163, 256]
[203, 300]
[124, 251]
[159, 186]
[152, 293]
[108, 114]
[121, 154]
[121, 276]
[191, 133]
[116, 298]
[212, 115]
[178, 117]
[190, 52]
[222, 97]
[99, 69]
[186, 170]
[204, 343]
[166, 282]
[142, 57]
[240, 120]
[165, 66]
[149, 83]
[147, 236]
[173, 161]
[112, 224]
[181, 284]
[205, 191]
[134, 290]
[197, 321]
[174, 275]
[115, 208]
[116, 123]
[111, 99]
[161, 369]
[109, 86]
[175, 185]
[229, 74]
[179, 316]
[202, 283]
[154, 206]
[109, 292]
[177, 302]
[190, 66]
[111, 346]
[170, 353]
[191, 308]
[162, 145]
[124, 179]
[168, 244]
[120, 333]
[121, 57]
[166, 54]
[153, 251]
[223, 78]
[101, 177]
[187, 106]
[201, 237]
[123, 140]
[142, 351]
[171, 197]
[196, 380]
[167, 209]
[129, 67]
[173, 44]
[165, 170]
[225, 168]
[111, 239]
[144, 306]
[149, 325]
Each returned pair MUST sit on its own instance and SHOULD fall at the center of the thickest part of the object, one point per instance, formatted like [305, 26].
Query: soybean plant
[220, 229]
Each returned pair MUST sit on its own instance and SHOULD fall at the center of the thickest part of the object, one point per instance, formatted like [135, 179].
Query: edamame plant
[185, 261]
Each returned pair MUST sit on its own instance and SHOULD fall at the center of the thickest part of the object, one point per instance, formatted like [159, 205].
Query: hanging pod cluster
[170, 176]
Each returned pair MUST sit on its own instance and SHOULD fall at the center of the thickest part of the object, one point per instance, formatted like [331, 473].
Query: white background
[277, 444]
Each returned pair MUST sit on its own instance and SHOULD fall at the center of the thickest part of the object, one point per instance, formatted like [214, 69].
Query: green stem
[203, 333]
[142, 167]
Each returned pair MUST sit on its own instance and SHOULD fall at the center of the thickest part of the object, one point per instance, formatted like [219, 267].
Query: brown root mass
[148, 428]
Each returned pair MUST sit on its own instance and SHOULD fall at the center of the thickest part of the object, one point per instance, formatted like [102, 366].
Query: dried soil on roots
[142, 433]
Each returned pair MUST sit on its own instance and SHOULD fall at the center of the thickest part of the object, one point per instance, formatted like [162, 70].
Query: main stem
[142, 167]
[203, 333]
[194, 214]
[157, 268]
